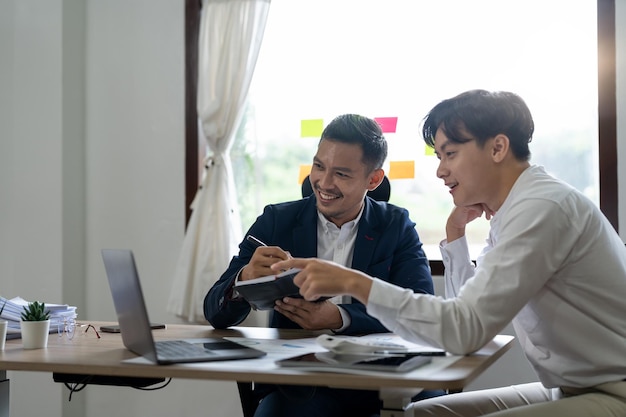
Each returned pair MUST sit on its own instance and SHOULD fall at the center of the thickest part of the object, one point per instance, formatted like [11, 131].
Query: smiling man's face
[340, 180]
[468, 170]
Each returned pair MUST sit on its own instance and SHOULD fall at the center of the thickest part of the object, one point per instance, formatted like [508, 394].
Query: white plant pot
[35, 334]
[3, 333]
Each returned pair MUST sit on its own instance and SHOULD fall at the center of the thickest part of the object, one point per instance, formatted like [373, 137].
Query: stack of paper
[14, 307]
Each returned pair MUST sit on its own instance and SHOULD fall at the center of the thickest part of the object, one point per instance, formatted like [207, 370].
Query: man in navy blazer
[337, 222]
[387, 246]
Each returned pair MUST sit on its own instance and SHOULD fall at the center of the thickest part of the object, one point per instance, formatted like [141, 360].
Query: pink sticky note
[387, 124]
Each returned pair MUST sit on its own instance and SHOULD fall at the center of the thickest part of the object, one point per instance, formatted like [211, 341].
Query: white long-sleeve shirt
[553, 265]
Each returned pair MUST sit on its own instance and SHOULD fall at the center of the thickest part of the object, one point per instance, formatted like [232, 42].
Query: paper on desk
[307, 345]
[393, 338]
[280, 347]
[277, 349]
[14, 307]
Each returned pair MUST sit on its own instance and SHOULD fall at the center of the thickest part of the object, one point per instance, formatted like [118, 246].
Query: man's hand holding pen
[309, 315]
[264, 256]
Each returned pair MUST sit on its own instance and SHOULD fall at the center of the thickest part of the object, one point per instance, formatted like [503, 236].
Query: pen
[255, 241]
[258, 243]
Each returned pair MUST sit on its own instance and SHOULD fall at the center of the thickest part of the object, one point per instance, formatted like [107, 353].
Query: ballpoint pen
[255, 241]
[259, 243]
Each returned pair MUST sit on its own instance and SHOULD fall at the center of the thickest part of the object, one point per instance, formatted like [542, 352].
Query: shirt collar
[326, 224]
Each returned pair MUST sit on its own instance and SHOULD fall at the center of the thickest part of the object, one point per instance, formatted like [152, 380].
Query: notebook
[134, 323]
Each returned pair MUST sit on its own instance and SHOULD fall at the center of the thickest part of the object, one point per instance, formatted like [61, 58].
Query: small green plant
[35, 311]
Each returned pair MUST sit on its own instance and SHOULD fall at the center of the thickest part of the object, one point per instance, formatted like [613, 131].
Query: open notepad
[262, 292]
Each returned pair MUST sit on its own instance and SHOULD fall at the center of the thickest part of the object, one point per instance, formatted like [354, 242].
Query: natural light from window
[397, 59]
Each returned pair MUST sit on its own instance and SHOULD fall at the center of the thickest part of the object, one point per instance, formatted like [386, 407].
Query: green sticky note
[311, 128]
[428, 151]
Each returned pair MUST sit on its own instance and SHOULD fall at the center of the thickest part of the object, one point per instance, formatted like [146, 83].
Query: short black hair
[483, 114]
[360, 130]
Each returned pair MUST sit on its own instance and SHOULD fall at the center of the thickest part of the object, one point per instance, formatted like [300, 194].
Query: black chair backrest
[381, 193]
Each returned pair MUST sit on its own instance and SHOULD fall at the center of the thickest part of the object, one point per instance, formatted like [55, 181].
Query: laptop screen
[130, 306]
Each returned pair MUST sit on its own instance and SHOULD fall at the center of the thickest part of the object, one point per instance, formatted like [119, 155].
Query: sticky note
[311, 128]
[304, 171]
[401, 169]
[428, 151]
[387, 124]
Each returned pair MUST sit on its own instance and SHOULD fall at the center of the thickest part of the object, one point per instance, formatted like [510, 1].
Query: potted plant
[3, 326]
[35, 325]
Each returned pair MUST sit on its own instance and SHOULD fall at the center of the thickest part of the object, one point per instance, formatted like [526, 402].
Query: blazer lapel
[366, 239]
[304, 235]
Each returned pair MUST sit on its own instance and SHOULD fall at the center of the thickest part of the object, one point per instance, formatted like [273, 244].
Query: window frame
[607, 111]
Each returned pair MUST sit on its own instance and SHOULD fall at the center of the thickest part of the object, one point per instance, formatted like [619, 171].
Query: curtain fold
[231, 32]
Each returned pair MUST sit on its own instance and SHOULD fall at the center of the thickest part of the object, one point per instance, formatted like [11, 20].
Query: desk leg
[4, 394]
[396, 400]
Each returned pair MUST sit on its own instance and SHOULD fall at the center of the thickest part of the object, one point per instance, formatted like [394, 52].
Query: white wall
[31, 183]
[92, 156]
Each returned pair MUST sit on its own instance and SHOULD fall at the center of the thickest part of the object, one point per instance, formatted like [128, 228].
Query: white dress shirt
[553, 265]
[337, 244]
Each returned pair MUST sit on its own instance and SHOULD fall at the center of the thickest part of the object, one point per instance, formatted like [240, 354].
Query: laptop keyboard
[179, 349]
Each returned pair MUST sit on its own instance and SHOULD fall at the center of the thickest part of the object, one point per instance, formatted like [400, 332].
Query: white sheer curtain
[230, 37]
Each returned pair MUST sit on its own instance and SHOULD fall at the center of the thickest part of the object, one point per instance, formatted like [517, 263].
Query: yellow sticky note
[304, 171]
[311, 128]
[401, 169]
[428, 151]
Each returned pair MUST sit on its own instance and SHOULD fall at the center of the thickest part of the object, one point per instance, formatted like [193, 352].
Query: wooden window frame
[607, 111]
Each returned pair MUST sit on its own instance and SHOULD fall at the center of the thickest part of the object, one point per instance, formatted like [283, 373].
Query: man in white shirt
[553, 265]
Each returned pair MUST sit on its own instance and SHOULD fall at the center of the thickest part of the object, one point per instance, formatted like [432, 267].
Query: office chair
[381, 193]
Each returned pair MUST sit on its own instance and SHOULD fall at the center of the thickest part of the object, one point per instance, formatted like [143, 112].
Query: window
[397, 59]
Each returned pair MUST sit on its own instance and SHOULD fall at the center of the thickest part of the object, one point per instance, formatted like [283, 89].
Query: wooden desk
[92, 356]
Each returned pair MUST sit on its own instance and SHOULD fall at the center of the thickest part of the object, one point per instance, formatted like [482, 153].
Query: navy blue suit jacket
[387, 246]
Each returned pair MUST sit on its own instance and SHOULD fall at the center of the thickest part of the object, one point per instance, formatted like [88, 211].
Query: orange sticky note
[311, 128]
[387, 124]
[304, 171]
[401, 169]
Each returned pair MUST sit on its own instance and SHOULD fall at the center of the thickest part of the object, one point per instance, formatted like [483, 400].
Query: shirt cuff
[458, 249]
[383, 302]
[345, 318]
[232, 293]
[458, 267]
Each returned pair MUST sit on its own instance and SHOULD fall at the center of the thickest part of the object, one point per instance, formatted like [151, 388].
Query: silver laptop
[135, 326]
